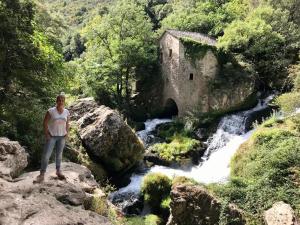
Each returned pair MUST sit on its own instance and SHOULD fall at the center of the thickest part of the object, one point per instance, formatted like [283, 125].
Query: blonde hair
[61, 95]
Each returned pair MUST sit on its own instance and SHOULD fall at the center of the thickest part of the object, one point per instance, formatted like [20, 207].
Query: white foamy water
[214, 168]
[149, 127]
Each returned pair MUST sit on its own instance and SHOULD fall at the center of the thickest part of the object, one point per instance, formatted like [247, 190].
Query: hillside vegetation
[108, 49]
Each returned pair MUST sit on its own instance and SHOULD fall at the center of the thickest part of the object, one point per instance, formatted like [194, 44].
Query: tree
[209, 17]
[27, 60]
[267, 39]
[31, 72]
[119, 44]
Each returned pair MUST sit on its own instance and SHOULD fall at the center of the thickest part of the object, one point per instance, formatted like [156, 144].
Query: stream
[214, 165]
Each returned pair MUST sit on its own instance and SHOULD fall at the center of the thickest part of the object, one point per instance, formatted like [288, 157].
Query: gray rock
[13, 158]
[109, 139]
[280, 214]
[194, 205]
[53, 202]
[81, 107]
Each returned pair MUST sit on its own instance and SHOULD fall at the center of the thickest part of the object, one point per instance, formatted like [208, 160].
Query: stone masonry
[185, 82]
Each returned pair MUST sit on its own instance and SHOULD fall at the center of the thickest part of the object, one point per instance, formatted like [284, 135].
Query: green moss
[155, 188]
[167, 130]
[165, 204]
[265, 170]
[147, 220]
[77, 153]
[183, 180]
[98, 205]
[289, 102]
[196, 50]
[153, 220]
[179, 147]
[272, 121]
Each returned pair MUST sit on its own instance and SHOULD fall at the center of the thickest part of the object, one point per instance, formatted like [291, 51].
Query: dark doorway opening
[170, 108]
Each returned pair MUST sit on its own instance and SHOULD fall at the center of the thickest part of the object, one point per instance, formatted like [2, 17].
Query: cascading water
[214, 166]
[150, 125]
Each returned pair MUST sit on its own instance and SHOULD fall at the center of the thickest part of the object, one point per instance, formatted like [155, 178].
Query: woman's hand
[48, 136]
[66, 136]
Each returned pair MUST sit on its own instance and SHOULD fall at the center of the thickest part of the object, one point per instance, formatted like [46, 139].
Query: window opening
[191, 76]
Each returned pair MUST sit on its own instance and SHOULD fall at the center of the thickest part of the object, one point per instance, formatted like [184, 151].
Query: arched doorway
[170, 108]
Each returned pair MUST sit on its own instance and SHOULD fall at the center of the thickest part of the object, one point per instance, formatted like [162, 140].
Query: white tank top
[57, 123]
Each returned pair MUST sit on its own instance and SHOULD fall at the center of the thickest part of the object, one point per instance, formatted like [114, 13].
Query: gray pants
[59, 143]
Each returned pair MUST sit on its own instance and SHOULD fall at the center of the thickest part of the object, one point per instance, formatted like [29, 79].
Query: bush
[177, 148]
[148, 220]
[155, 188]
[183, 180]
[265, 170]
[152, 220]
[289, 102]
[167, 130]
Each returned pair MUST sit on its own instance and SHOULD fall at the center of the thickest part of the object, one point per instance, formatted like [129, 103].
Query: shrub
[155, 188]
[289, 102]
[183, 180]
[148, 220]
[153, 220]
[178, 147]
[265, 170]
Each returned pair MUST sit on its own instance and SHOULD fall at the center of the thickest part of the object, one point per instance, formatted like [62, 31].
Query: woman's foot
[60, 175]
[40, 178]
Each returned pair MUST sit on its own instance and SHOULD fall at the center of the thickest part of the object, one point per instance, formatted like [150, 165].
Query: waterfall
[214, 166]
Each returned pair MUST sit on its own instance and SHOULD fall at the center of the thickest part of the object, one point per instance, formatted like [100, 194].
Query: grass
[266, 169]
[177, 148]
[155, 188]
[147, 220]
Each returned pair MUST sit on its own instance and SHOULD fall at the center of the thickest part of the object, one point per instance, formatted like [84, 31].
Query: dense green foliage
[266, 169]
[147, 220]
[120, 44]
[175, 150]
[156, 188]
[265, 33]
[178, 144]
[31, 71]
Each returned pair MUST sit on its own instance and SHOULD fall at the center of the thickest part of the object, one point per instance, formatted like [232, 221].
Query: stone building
[189, 63]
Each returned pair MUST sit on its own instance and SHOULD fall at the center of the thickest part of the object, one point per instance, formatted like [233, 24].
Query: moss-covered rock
[180, 150]
[75, 152]
[156, 187]
[193, 205]
[107, 138]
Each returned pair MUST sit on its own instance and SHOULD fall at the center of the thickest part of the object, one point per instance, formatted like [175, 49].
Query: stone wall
[196, 95]
[189, 95]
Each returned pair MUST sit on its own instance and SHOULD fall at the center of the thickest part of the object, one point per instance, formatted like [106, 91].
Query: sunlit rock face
[193, 205]
[107, 137]
[13, 158]
[53, 202]
[280, 213]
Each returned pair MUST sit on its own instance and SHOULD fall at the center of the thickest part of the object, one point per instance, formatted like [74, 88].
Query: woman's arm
[68, 126]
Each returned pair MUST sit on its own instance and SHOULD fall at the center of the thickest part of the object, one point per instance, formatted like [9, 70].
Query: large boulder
[194, 205]
[81, 107]
[107, 137]
[280, 213]
[13, 158]
[53, 202]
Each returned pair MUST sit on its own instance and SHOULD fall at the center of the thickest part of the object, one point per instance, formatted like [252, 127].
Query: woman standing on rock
[56, 128]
